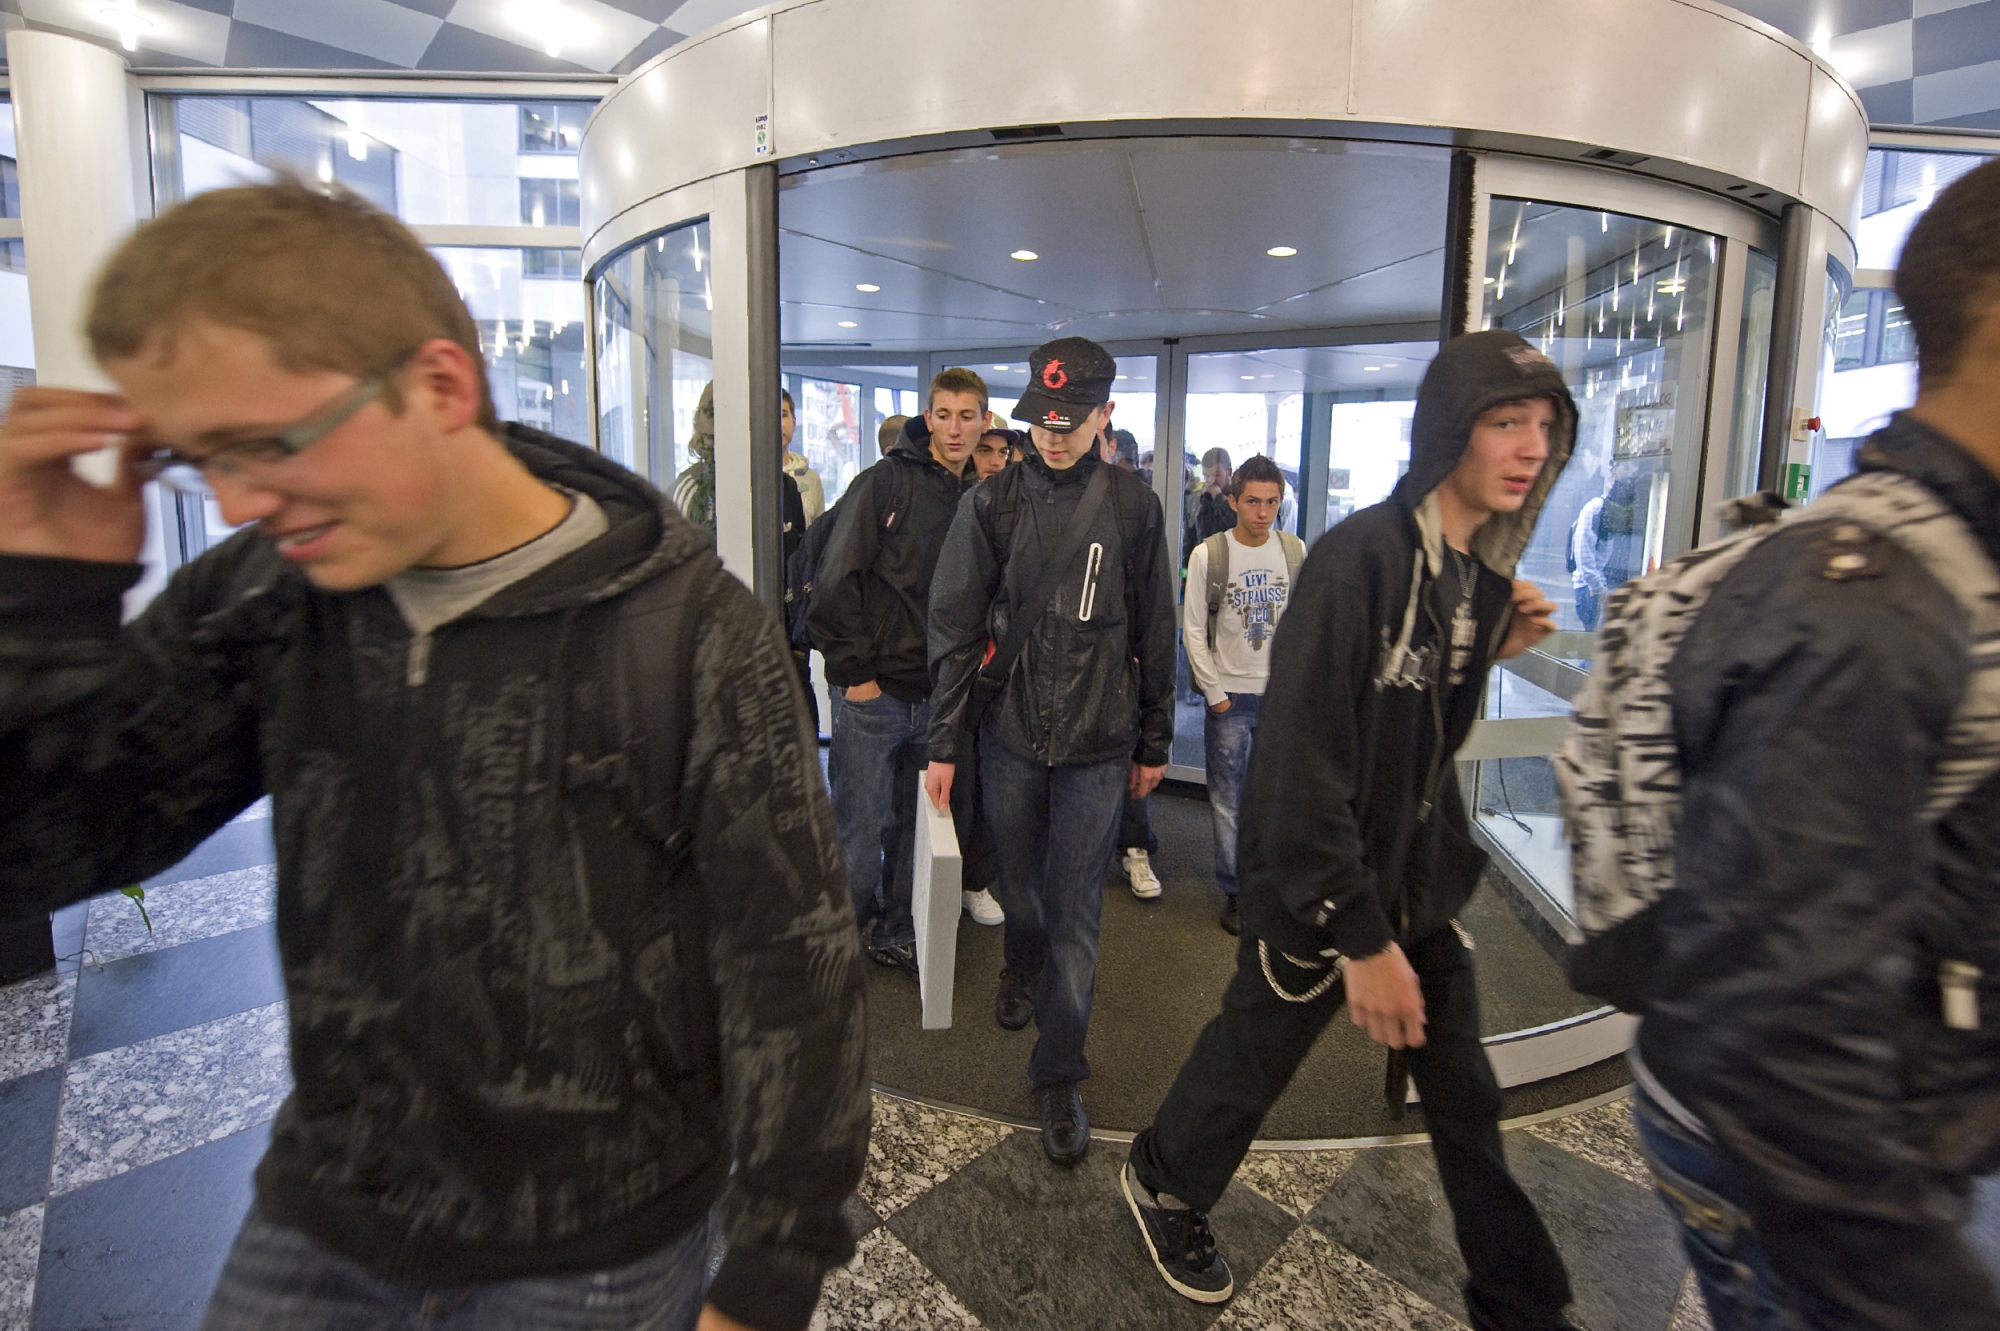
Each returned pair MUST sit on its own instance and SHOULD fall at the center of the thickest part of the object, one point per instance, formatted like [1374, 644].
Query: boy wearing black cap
[1053, 614]
[1354, 854]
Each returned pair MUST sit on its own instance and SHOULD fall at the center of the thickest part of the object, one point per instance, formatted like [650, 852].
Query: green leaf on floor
[138, 895]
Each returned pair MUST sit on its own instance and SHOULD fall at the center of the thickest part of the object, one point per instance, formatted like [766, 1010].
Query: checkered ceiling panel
[1929, 62]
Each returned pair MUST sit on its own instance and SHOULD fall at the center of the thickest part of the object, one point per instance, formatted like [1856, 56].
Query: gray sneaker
[1179, 1241]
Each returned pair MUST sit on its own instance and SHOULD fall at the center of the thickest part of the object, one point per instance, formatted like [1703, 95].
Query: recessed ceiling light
[866, 286]
[1267, 376]
[1000, 367]
[1281, 251]
[1371, 367]
[1489, 281]
[1249, 376]
[1025, 256]
[849, 323]
[1118, 376]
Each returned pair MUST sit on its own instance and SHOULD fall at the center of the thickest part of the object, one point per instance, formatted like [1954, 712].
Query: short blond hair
[330, 281]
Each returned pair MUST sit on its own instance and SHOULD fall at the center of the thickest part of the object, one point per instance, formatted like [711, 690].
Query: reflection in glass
[1753, 359]
[10, 171]
[1625, 308]
[653, 351]
[531, 331]
[459, 163]
[840, 412]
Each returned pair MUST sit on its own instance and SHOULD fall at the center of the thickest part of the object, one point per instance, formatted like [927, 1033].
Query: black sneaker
[1179, 1240]
[1065, 1129]
[1013, 1005]
[1232, 923]
[902, 957]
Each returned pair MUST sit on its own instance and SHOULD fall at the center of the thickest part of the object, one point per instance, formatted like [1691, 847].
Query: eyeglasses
[234, 460]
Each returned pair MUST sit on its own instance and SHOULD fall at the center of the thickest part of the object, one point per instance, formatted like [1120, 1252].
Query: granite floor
[138, 1082]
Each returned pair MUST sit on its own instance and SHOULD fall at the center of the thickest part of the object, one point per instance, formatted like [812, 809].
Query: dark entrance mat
[1162, 967]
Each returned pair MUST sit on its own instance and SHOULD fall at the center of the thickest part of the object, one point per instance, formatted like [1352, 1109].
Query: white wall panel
[1830, 176]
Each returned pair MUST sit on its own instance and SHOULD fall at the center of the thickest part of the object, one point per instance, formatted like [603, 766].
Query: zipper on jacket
[1090, 571]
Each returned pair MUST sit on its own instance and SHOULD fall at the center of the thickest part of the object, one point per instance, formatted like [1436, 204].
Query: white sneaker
[983, 908]
[1139, 872]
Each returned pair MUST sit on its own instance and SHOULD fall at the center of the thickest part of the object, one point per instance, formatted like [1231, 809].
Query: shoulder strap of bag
[1217, 549]
[1295, 556]
[1025, 615]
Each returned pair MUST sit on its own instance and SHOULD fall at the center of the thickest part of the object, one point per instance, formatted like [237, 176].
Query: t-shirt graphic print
[1257, 595]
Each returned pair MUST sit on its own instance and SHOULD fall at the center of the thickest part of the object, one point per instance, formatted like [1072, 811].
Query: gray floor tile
[1314, 1284]
[183, 912]
[144, 1249]
[1026, 1246]
[886, 1287]
[34, 1023]
[236, 845]
[132, 1106]
[912, 1149]
[28, 1108]
[156, 993]
[1622, 1251]
[20, 1254]
[1605, 1136]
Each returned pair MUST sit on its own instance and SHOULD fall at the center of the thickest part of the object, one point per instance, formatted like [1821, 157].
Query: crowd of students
[574, 936]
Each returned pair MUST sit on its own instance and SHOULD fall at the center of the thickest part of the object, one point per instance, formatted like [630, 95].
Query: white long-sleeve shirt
[1253, 600]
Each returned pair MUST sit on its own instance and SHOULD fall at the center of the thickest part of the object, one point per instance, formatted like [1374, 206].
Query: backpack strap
[1909, 513]
[1295, 557]
[1217, 549]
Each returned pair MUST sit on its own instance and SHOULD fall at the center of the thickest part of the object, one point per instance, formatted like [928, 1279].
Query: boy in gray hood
[1354, 854]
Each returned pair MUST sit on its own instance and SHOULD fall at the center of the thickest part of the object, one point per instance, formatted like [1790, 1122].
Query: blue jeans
[1053, 828]
[874, 766]
[277, 1277]
[1742, 1291]
[1226, 750]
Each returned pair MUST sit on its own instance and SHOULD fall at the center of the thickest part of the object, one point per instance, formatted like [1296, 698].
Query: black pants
[1246, 1056]
[977, 866]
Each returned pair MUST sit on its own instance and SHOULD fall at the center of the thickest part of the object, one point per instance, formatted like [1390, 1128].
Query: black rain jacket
[502, 1067]
[1096, 678]
[1353, 832]
[1795, 1007]
[871, 595]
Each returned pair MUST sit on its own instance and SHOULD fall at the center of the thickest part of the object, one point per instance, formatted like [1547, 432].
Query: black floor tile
[1025, 1245]
[28, 1108]
[861, 1217]
[136, 998]
[66, 926]
[145, 1248]
[242, 845]
[1623, 1253]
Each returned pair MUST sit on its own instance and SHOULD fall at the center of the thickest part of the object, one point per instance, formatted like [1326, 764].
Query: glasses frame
[230, 460]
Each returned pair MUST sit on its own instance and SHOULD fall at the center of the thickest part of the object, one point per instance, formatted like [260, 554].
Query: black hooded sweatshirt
[871, 594]
[501, 1060]
[1353, 832]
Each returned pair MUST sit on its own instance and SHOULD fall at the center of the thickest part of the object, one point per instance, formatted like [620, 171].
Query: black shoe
[902, 957]
[1231, 922]
[1180, 1243]
[1013, 1006]
[1065, 1130]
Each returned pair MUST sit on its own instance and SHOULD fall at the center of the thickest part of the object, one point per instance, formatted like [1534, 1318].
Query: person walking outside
[1237, 587]
[868, 615]
[1354, 855]
[1052, 616]
[556, 872]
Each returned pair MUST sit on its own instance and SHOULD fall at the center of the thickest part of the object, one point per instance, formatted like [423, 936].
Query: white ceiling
[1137, 239]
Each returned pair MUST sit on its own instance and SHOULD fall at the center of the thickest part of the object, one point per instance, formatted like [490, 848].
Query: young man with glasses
[556, 874]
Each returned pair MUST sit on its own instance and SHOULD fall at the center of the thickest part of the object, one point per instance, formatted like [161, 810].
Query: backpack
[802, 569]
[1217, 547]
[1619, 775]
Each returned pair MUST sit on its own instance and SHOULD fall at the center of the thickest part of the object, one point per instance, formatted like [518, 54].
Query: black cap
[1067, 379]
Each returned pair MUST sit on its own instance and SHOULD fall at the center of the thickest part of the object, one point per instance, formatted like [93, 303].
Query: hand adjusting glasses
[244, 457]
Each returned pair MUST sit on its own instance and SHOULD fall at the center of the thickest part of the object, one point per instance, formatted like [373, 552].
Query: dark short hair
[957, 379]
[1214, 456]
[1949, 274]
[786, 394]
[1258, 468]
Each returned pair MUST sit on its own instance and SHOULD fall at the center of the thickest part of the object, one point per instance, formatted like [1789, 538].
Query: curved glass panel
[653, 351]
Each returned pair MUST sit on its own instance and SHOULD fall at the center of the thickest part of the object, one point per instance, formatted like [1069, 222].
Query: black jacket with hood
[506, 1064]
[871, 594]
[1095, 680]
[1353, 831]
[1794, 1011]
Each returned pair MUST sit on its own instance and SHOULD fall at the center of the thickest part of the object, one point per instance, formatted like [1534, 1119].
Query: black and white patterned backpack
[1619, 772]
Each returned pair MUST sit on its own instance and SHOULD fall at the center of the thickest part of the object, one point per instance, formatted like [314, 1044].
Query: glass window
[1850, 334]
[10, 171]
[1896, 187]
[458, 163]
[1898, 342]
[1753, 361]
[653, 351]
[840, 410]
[1624, 306]
[531, 329]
